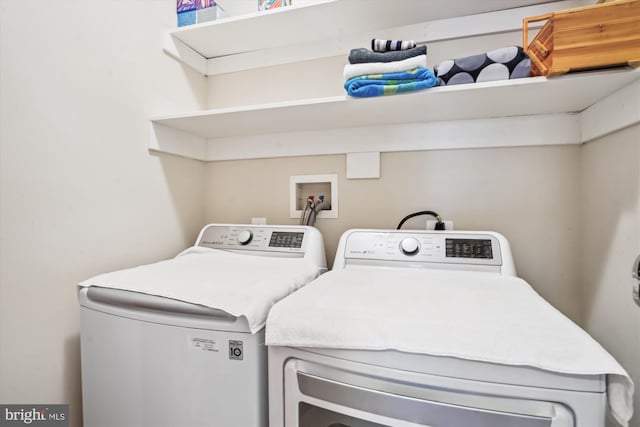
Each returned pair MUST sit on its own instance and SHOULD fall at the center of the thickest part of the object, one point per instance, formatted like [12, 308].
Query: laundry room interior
[107, 162]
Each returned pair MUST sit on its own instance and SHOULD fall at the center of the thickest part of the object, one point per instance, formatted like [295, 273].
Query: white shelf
[332, 27]
[321, 20]
[537, 96]
[259, 30]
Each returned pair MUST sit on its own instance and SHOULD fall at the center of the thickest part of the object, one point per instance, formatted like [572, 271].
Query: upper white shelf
[571, 93]
[322, 20]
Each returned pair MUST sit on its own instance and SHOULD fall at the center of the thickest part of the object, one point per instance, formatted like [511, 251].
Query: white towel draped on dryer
[239, 284]
[490, 319]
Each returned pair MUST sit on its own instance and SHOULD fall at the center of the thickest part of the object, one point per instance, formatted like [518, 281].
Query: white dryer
[181, 342]
[423, 328]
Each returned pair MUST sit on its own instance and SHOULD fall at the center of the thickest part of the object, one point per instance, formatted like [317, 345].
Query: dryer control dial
[245, 237]
[409, 246]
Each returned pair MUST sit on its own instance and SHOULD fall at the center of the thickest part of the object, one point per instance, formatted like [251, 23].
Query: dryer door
[316, 397]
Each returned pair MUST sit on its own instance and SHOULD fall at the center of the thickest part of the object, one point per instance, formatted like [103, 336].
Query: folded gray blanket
[500, 64]
[361, 55]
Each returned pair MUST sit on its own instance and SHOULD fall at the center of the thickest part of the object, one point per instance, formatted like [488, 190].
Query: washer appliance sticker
[235, 350]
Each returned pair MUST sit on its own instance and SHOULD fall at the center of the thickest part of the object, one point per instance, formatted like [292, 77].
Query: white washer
[360, 358]
[181, 342]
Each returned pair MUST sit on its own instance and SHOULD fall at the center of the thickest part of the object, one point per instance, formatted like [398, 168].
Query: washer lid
[239, 284]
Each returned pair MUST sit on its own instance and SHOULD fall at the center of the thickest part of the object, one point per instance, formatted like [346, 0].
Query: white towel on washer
[241, 285]
[480, 317]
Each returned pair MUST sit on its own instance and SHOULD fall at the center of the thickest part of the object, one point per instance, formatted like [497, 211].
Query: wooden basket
[584, 38]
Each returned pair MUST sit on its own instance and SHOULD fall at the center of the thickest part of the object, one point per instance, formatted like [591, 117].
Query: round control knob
[409, 246]
[245, 237]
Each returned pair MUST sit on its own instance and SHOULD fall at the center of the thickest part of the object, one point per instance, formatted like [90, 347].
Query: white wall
[611, 242]
[79, 192]
[530, 194]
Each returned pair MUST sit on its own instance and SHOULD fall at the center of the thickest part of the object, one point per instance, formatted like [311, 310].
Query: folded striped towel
[390, 83]
[379, 45]
[361, 56]
[354, 70]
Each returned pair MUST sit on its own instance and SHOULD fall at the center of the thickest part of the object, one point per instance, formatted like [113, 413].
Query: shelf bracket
[174, 141]
[183, 53]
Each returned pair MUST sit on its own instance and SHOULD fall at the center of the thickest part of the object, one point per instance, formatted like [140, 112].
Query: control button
[245, 237]
[409, 246]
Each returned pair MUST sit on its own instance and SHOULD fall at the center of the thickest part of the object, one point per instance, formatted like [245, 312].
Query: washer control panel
[253, 238]
[450, 247]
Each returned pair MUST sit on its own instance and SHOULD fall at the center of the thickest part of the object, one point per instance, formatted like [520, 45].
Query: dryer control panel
[430, 249]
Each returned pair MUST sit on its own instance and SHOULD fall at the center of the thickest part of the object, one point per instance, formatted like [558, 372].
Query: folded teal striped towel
[390, 83]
